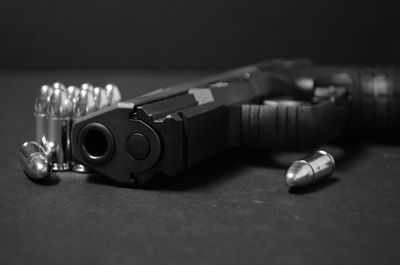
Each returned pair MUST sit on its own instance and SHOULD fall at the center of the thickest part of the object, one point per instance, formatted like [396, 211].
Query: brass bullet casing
[58, 85]
[58, 146]
[34, 161]
[40, 113]
[310, 169]
[87, 86]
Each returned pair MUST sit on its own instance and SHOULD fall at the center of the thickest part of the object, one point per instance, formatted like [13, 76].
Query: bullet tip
[87, 86]
[100, 97]
[42, 98]
[84, 103]
[299, 174]
[59, 104]
[58, 85]
[72, 92]
[41, 168]
[290, 179]
[34, 161]
[113, 93]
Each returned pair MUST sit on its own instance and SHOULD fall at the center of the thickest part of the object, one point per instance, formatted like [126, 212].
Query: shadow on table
[316, 186]
[208, 173]
[219, 169]
[51, 181]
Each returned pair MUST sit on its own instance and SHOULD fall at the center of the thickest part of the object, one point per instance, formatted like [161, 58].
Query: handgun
[271, 105]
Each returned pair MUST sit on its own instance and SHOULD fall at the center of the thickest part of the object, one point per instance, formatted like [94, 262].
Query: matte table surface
[232, 209]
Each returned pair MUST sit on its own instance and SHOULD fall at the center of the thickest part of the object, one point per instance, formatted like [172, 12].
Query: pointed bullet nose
[100, 97]
[290, 179]
[299, 174]
[84, 103]
[58, 85]
[40, 166]
[113, 93]
[59, 104]
[42, 98]
[34, 161]
[72, 92]
[87, 86]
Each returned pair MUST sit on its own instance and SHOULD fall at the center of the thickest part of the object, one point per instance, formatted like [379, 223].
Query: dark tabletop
[232, 209]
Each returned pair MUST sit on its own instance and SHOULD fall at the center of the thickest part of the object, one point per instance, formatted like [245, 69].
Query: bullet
[40, 113]
[87, 86]
[310, 169]
[34, 161]
[113, 93]
[100, 97]
[85, 103]
[72, 93]
[58, 85]
[58, 143]
[41, 101]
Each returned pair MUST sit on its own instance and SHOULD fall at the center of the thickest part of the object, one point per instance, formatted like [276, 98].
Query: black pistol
[273, 105]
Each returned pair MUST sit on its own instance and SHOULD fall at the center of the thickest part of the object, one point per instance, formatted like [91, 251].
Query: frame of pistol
[272, 105]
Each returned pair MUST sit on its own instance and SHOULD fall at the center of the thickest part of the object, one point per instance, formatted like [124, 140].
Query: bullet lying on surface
[310, 169]
[34, 161]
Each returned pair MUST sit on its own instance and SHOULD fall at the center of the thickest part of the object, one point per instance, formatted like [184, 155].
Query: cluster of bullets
[56, 109]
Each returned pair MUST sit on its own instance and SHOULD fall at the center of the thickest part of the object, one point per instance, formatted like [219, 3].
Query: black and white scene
[199, 132]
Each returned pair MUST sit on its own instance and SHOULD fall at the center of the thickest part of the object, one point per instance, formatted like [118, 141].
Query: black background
[157, 34]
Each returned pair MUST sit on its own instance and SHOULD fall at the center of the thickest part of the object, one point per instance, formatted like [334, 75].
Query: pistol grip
[376, 102]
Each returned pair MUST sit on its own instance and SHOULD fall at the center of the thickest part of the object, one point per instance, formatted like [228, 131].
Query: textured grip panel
[376, 102]
[283, 125]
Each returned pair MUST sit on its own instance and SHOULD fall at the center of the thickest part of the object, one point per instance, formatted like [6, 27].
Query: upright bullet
[58, 85]
[72, 93]
[87, 86]
[310, 169]
[84, 104]
[59, 124]
[34, 161]
[40, 113]
[113, 93]
[101, 98]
